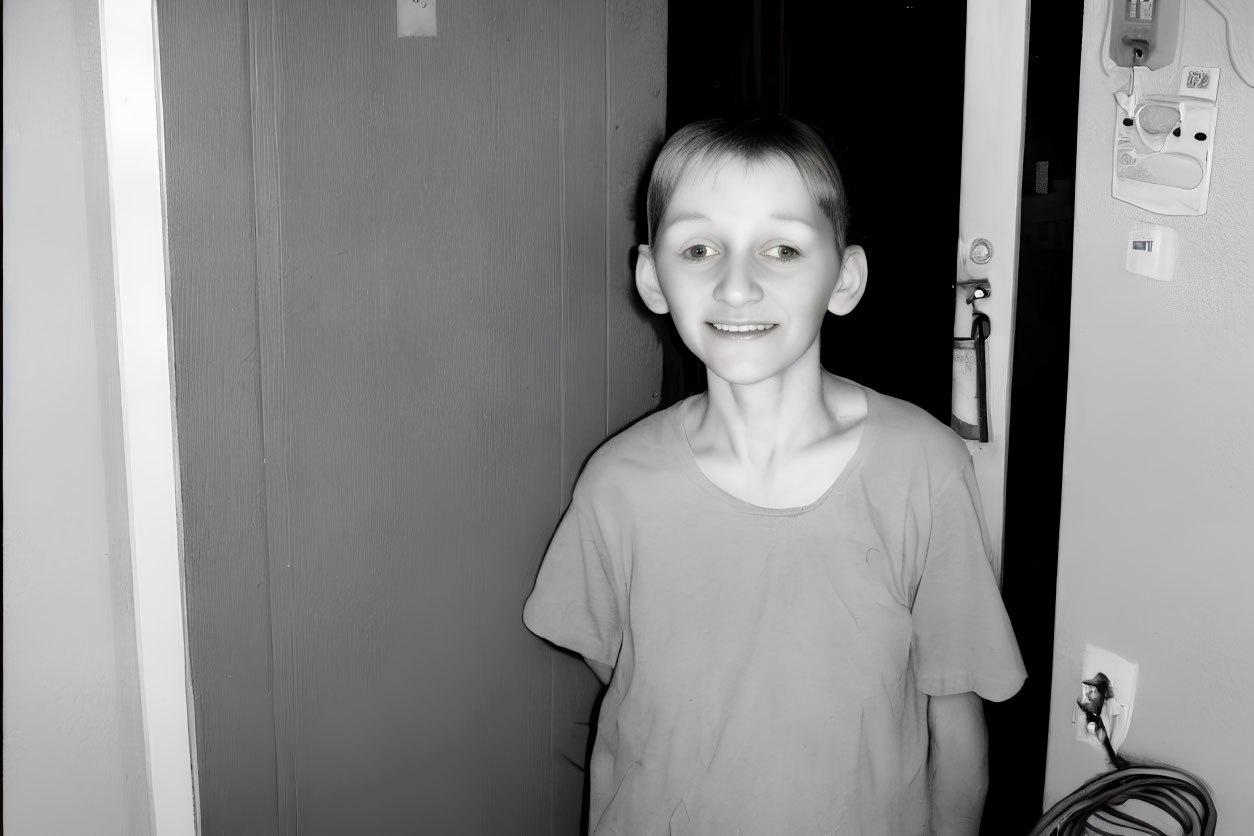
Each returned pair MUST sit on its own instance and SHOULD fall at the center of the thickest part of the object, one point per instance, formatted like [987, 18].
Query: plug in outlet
[1117, 710]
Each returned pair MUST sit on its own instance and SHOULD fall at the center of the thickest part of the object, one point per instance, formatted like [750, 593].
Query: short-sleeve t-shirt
[771, 667]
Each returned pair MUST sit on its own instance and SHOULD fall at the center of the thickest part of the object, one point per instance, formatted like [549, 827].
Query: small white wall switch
[1152, 252]
[415, 18]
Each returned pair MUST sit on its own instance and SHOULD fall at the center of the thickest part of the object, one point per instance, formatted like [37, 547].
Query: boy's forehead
[714, 167]
[707, 181]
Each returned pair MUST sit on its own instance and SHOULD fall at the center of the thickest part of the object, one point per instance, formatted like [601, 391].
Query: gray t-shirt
[772, 666]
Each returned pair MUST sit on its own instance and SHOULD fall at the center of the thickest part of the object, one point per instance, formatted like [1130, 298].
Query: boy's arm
[957, 763]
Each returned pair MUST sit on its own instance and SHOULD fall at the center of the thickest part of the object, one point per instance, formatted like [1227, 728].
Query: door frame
[993, 116]
[137, 216]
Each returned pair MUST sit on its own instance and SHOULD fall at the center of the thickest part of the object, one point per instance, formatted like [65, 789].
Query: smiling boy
[784, 581]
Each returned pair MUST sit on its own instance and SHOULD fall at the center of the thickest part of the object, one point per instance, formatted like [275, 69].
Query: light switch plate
[1151, 251]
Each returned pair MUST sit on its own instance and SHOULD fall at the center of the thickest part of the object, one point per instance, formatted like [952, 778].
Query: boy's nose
[738, 285]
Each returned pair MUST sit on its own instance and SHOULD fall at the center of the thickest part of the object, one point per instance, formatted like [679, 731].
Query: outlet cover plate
[1117, 714]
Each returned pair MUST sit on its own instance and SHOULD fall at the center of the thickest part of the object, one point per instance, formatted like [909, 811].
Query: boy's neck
[763, 421]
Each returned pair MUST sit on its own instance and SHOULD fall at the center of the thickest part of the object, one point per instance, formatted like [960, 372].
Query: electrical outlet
[1117, 712]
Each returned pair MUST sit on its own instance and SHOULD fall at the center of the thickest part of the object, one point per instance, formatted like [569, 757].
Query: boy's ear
[851, 283]
[647, 284]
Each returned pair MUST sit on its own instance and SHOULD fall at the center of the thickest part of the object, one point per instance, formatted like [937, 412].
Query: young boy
[784, 581]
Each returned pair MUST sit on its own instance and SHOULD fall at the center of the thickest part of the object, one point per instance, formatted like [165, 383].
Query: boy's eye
[698, 252]
[783, 252]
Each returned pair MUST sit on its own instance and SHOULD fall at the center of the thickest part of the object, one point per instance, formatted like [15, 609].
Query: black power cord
[1095, 808]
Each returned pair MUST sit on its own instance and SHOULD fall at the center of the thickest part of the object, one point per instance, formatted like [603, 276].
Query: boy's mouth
[742, 329]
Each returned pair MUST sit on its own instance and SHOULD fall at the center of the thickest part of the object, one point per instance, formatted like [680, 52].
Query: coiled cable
[1097, 807]
[1094, 808]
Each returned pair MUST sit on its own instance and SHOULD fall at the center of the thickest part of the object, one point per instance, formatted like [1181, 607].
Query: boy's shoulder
[649, 445]
[913, 432]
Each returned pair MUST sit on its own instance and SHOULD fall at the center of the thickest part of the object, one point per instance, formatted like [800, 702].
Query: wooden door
[403, 316]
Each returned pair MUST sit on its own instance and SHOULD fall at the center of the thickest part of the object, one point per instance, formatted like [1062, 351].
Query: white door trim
[133, 136]
[993, 113]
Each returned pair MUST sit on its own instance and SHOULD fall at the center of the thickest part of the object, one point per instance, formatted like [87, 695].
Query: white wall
[1157, 532]
[73, 757]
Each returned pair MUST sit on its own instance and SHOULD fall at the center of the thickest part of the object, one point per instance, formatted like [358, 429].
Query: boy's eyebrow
[688, 216]
[793, 218]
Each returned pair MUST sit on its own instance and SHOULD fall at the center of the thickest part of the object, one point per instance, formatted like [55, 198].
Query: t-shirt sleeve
[575, 602]
[963, 639]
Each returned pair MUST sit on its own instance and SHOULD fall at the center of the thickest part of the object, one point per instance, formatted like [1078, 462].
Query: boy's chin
[742, 375]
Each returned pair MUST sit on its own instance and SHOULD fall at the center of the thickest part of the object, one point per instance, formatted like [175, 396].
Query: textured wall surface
[1157, 532]
[73, 756]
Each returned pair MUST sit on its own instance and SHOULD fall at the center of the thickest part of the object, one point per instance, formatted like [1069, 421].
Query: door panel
[418, 240]
[438, 274]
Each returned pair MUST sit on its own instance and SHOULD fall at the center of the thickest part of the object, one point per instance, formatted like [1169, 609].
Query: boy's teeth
[724, 327]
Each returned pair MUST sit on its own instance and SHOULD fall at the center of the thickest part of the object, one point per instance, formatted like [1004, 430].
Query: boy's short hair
[762, 138]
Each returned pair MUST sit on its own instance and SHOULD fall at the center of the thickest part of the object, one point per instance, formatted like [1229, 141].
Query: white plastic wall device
[1161, 159]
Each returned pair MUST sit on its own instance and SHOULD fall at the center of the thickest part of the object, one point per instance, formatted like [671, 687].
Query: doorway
[884, 82]
[898, 149]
